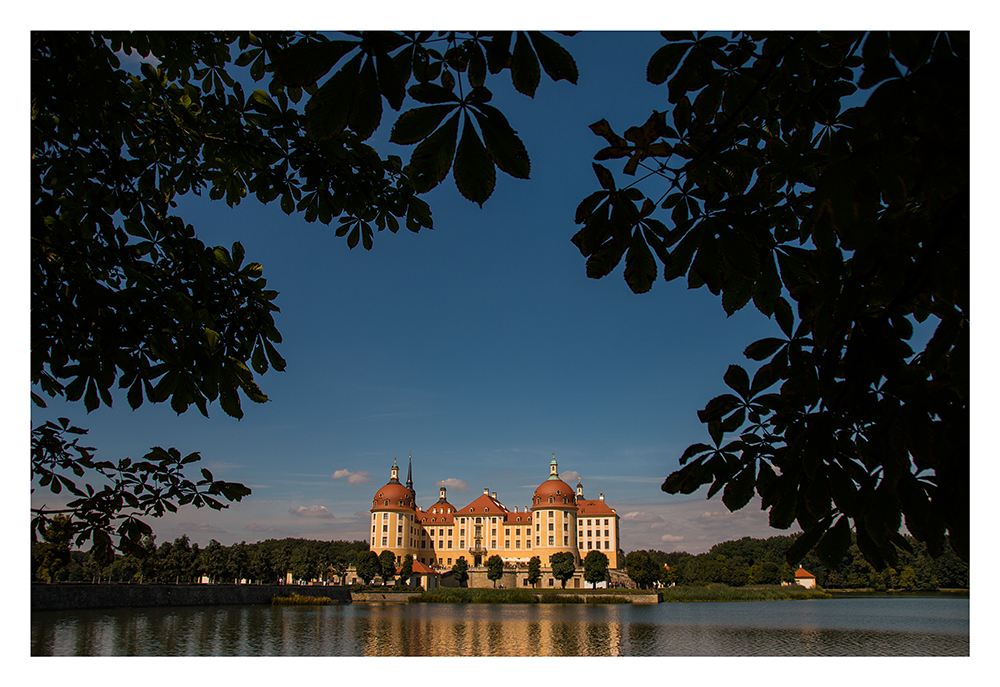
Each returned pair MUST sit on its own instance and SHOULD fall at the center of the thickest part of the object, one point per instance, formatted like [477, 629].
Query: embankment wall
[73, 596]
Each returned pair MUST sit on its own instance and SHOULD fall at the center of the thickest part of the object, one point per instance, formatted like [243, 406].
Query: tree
[595, 567]
[406, 571]
[53, 555]
[563, 566]
[534, 570]
[460, 571]
[122, 289]
[641, 569]
[367, 566]
[849, 225]
[494, 569]
[387, 563]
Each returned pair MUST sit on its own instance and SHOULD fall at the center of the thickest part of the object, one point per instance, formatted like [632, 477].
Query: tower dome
[553, 491]
[393, 495]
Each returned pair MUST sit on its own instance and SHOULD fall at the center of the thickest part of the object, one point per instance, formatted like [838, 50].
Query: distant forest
[762, 561]
[737, 563]
[179, 561]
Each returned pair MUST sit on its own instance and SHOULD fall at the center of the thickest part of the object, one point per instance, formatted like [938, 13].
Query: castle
[558, 520]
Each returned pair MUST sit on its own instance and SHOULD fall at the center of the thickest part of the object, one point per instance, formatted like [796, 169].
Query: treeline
[762, 561]
[181, 562]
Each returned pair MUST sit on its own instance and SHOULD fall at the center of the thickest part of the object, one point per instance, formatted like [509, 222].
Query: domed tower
[394, 525]
[554, 511]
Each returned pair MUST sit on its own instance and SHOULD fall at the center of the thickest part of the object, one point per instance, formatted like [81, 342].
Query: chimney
[494, 495]
[602, 497]
[486, 491]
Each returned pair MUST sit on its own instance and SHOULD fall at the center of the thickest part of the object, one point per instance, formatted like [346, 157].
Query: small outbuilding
[422, 576]
[805, 578]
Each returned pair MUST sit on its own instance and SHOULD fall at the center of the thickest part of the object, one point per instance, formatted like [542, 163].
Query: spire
[553, 467]
[409, 477]
[394, 473]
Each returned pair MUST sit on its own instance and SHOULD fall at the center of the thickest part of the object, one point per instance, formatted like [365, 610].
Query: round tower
[394, 524]
[554, 511]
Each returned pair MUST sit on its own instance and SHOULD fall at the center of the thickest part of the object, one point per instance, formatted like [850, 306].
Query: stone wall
[72, 596]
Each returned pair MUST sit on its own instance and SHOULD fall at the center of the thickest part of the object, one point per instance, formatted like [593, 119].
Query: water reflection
[849, 627]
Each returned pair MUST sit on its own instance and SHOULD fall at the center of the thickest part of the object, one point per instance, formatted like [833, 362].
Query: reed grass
[720, 592]
[299, 600]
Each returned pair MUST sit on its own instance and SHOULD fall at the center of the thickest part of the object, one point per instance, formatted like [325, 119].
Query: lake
[867, 626]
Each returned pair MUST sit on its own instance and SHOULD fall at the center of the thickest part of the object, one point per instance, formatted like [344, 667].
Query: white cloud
[643, 517]
[454, 484]
[570, 476]
[671, 538]
[311, 512]
[359, 477]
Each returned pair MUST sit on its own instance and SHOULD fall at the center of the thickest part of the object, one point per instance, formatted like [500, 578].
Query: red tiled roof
[802, 572]
[479, 506]
[593, 507]
[419, 569]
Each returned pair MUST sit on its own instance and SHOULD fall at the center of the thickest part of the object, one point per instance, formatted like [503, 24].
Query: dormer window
[486, 510]
[387, 503]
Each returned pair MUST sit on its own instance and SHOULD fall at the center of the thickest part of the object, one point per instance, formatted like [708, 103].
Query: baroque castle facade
[559, 519]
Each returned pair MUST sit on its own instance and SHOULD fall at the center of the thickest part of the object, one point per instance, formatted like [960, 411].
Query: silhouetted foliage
[849, 225]
[760, 180]
[563, 566]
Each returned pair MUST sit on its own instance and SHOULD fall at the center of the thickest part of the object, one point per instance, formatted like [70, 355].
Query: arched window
[551, 499]
[387, 503]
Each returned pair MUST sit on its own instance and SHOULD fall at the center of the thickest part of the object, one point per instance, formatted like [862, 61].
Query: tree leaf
[524, 71]
[475, 175]
[328, 110]
[737, 379]
[555, 59]
[366, 102]
[432, 159]
[305, 62]
[417, 124]
[640, 266]
[664, 62]
[505, 148]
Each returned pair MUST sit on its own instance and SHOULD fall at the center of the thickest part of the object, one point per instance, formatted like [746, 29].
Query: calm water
[829, 627]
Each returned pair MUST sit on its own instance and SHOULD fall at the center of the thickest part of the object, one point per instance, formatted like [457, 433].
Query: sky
[480, 348]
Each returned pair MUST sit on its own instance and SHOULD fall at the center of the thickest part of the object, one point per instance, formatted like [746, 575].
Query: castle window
[387, 503]
[486, 510]
[551, 500]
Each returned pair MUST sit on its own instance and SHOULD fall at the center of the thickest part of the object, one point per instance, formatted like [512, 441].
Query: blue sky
[480, 346]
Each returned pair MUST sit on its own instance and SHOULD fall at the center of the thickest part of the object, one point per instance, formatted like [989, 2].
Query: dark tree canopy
[367, 565]
[849, 226]
[460, 571]
[822, 177]
[534, 570]
[125, 295]
[642, 569]
[595, 567]
[563, 566]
